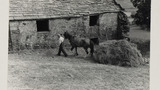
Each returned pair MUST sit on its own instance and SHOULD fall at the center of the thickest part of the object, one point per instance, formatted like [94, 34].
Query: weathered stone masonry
[74, 18]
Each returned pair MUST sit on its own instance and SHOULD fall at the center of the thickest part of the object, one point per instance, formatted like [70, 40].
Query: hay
[119, 52]
[143, 46]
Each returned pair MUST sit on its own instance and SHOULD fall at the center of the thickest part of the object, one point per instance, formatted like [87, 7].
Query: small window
[93, 20]
[42, 25]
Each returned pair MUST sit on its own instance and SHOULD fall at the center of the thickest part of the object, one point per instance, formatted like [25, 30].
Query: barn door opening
[42, 25]
[94, 26]
[94, 20]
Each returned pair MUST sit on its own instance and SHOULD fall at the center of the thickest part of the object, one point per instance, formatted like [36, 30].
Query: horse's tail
[95, 41]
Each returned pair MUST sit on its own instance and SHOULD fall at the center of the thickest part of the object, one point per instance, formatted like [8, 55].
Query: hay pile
[119, 52]
[143, 46]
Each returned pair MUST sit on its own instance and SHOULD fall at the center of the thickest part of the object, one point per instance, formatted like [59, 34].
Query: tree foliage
[123, 26]
[142, 17]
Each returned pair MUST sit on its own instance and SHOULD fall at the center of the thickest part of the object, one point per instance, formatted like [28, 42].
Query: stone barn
[36, 23]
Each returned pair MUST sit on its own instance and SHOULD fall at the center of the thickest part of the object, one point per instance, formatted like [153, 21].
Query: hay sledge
[118, 52]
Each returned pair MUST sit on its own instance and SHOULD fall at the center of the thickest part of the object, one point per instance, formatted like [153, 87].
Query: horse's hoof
[91, 55]
[85, 56]
[76, 55]
[66, 55]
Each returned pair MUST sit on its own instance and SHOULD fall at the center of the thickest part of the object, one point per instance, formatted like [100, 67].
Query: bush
[119, 52]
[123, 26]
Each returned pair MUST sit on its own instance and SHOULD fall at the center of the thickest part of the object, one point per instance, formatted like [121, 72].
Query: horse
[80, 42]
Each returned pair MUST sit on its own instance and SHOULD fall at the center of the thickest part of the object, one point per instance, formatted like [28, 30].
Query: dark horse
[80, 42]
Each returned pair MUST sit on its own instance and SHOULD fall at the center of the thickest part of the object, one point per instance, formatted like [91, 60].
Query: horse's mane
[71, 36]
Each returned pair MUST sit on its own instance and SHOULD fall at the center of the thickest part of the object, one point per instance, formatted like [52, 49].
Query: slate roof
[126, 4]
[39, 9]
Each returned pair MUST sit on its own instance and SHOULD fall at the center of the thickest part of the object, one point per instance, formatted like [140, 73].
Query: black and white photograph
[79, 45]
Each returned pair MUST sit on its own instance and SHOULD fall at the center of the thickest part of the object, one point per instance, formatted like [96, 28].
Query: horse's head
[66, 35]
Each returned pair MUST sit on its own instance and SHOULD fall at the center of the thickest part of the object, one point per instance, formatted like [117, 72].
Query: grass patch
[36, 71]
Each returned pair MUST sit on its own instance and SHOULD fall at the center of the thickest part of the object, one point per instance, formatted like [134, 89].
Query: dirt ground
[43, 70]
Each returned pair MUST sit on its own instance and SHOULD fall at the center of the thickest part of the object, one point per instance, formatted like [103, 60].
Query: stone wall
[108, 26]
[76, 26]
[14, 35]
[24, 33]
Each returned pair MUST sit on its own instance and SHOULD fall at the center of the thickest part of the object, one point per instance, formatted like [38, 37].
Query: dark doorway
[42, 25]
[94, 20]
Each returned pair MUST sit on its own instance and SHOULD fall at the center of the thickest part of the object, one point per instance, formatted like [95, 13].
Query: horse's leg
[86, 49]
[92, 48]
[72, 48]
[76, 53]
